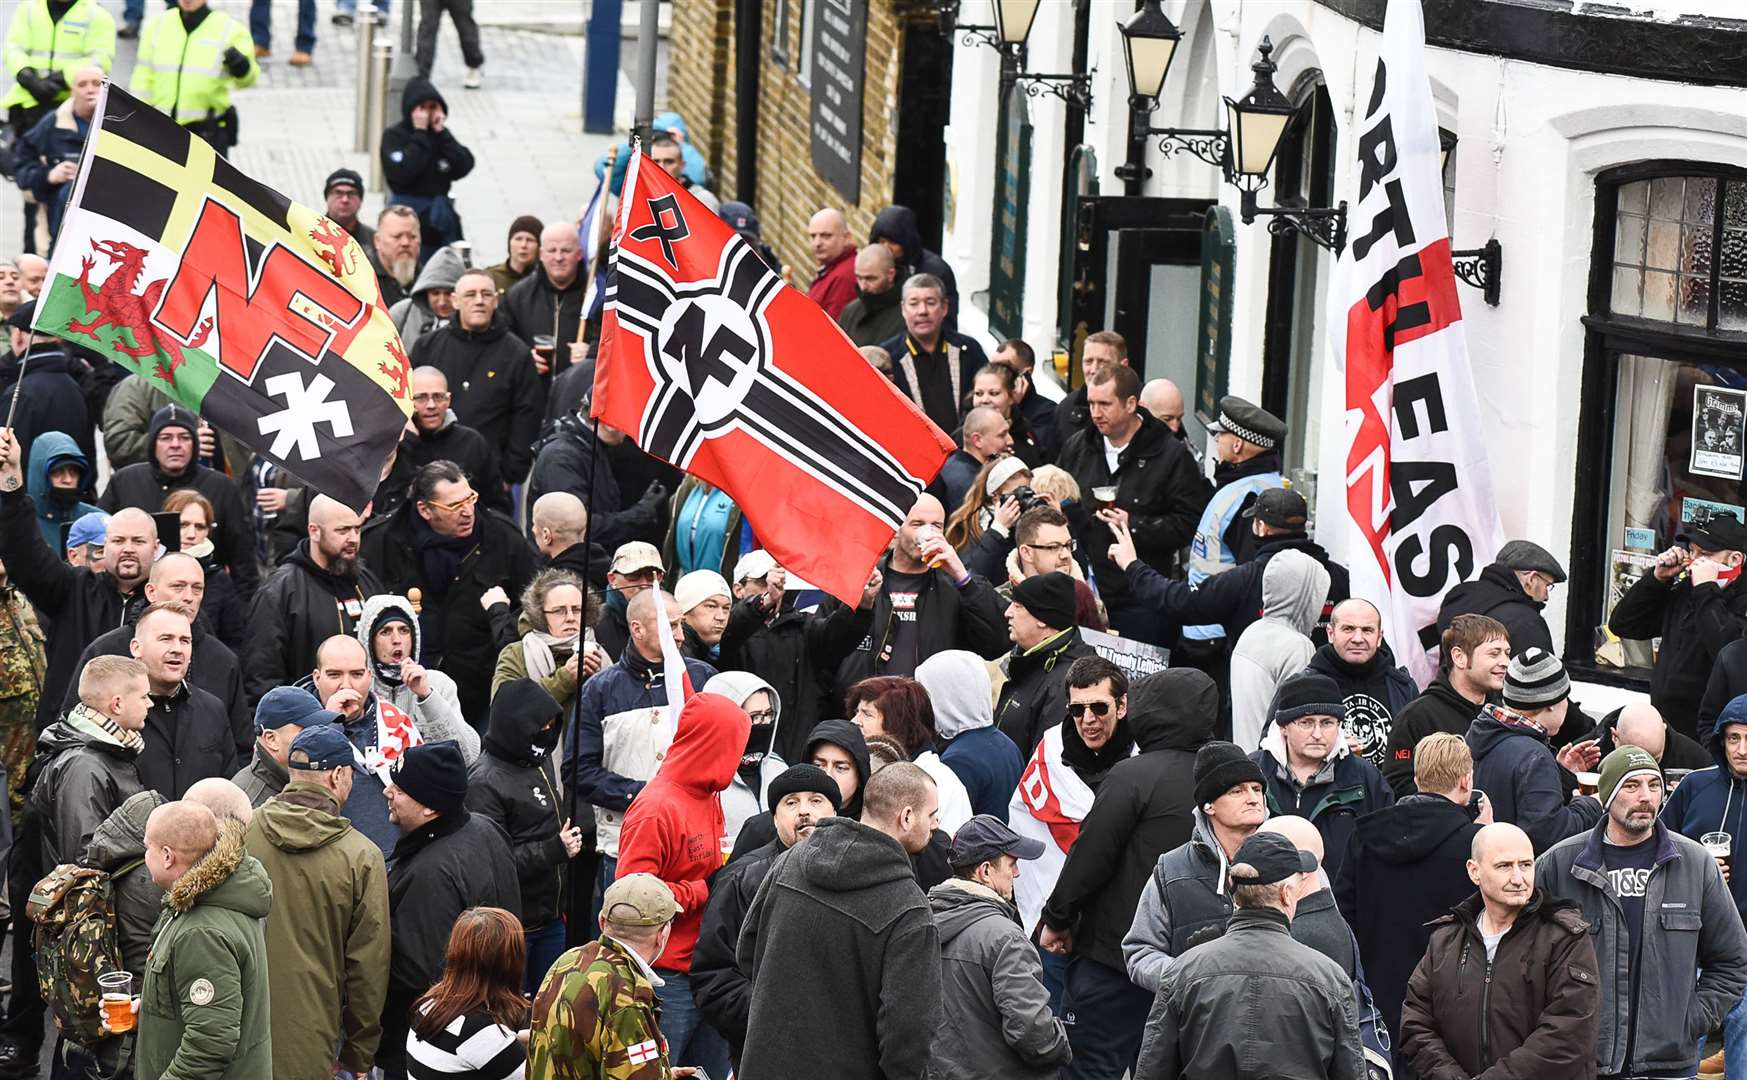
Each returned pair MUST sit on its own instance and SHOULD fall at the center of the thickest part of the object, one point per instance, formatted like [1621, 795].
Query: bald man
[1544, 1019]
[1164, 400]
[987, 434]
[833, 284]
[928, 602]
[558, 526]
[319, 590]
[78, 605]
[436, 435]
[874, 315]
[548, 301]
[224, 798]
[1374, 687]
[213, 667]
[1641, 724]
[205, 993]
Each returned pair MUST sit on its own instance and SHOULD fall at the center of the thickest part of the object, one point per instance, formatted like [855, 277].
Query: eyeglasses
[1078, 709]
[454, 507]
[1318, 723]
[1066, 545]
[562, 612]
[429, 399]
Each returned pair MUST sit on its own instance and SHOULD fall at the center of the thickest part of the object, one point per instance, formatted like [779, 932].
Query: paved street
[524, 127]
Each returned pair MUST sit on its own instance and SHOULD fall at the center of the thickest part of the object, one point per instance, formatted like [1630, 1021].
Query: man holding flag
[1421, 516]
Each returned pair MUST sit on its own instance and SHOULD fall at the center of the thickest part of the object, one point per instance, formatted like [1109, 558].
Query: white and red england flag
[709, 362]
[1048, 806]
[1420, 512]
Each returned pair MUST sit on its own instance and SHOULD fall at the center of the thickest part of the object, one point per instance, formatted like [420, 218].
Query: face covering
[758, 742]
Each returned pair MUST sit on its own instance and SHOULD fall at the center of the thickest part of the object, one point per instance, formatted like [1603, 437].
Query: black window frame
[1608, 336]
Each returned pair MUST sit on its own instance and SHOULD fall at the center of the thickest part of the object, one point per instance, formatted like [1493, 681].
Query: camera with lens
[1026, 498]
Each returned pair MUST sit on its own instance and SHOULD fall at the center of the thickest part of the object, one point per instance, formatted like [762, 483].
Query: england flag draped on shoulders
[1420, 512]
[1048, 806]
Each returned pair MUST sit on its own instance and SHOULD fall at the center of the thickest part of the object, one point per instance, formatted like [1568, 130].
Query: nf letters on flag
[260, 314]
[709, 362]
[1420, 513]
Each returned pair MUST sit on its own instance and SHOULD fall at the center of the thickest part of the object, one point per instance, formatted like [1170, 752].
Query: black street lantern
[1013, 19]
[1149, 44]
[1257, 122]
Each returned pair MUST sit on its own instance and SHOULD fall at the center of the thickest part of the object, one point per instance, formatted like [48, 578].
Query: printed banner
[1420, 512]
[258, 313]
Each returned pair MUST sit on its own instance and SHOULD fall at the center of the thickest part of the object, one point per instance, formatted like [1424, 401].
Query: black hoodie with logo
[514, 783]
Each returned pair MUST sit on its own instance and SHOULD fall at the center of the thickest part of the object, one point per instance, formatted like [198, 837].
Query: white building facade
[1605, 152]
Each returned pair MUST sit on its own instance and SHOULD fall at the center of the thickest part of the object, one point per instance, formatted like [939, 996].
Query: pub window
[1665, 386]
[779, 38]
[804, 71]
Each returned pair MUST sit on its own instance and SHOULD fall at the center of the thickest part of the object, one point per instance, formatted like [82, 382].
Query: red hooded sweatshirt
[674, 827]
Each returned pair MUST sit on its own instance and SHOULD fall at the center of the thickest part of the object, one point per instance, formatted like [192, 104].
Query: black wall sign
[839, 68]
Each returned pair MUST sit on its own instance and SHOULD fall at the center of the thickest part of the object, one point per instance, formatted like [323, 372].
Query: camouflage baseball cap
[639, 900]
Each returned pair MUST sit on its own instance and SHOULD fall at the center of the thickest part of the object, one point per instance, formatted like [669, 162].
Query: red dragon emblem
[398, 370]
[338, 242]
[117, 305]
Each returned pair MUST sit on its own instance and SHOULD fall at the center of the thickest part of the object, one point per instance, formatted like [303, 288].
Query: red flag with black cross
[709, 362]
[258, 313]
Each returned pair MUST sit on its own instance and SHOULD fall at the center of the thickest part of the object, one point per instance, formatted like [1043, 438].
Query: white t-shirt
[1491, 940]
[1111, 453]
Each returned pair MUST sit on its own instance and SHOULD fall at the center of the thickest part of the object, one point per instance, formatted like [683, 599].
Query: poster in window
[1719, 417]
[1624, 570]
[1691, 508]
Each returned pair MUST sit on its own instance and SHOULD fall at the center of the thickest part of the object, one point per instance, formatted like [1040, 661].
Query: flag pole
[17, 390]
[648, 31]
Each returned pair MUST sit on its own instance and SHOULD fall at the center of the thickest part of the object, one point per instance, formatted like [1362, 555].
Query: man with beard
[995, 1021]
[843, 956]
[515, 784]
[78, 605]
[799, 798]
[1476, 652]
[1373, 688]
[378, 731]
[1669, 945]
[1309, 769]
[188, 732]
[548, 302]
[464, 561]
[173, 447]
[394, 252]
[319, 591]
[1459, 1020]
[493, 386]
[436, 435]
[874, 316]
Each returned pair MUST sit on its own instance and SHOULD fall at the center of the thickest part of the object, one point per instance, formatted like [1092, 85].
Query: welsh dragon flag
[259, 314]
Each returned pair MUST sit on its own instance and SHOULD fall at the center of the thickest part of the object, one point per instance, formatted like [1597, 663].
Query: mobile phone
[169, 530]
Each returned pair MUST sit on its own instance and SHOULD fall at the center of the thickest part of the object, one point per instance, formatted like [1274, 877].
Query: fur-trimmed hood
[226, 877]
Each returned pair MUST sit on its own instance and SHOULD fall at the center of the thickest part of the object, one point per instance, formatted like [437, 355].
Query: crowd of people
[404, 790]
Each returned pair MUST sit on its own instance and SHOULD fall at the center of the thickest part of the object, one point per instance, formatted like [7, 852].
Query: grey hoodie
[1276, 646]
[740, 802]
[438, 716]
[118, 847]
[995, 1020]
[412, 316]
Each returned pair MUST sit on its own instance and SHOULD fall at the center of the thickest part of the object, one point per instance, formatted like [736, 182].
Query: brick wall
[701, 85]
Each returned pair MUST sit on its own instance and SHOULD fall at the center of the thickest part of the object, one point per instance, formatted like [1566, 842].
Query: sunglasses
[1099, 708]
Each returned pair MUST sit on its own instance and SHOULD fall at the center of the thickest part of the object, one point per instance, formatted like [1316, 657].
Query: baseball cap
[284, 705]
[1722, 532]
[1280, 507]
[1274, 858]
[92, 528]
[341, 177]
[319, 748]
[639, 900]
[637, 555]
[985, 837]
[754, 564]
[1528, 556]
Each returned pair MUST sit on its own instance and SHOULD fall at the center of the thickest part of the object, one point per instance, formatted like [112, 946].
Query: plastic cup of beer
[117, 990]
[1588, 783]
[1717, 843]
[1105, 496]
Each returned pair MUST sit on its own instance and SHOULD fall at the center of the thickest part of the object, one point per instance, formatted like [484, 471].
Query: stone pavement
[524, 126]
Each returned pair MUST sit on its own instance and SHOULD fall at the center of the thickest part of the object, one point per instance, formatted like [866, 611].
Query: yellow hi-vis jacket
[183, 74]
[85, 35]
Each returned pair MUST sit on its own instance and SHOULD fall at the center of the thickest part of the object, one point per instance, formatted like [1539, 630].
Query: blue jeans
[350, 7]
[545, 946]
[133, 12]
[690, 1038]
[1734, 1042]
[1055, 977]
[261, 24]
[1105, 1015]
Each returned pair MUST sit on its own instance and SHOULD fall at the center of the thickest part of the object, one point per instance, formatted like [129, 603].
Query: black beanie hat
[1221, 766]
[1309, 693]
[1050, 599]
[435, 775]
[803, 778]
[527, 223]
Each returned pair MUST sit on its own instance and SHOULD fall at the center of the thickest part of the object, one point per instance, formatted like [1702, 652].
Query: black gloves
[235, 63]
[40, 87]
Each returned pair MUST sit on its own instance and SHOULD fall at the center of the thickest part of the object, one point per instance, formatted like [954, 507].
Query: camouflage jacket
[596, 1018]
[22, 663]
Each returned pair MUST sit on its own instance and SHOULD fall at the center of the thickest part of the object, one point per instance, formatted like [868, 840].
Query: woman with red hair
[469, 1023]
[898, 707]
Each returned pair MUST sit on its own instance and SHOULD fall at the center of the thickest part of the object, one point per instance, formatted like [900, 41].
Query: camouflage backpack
[74, 912]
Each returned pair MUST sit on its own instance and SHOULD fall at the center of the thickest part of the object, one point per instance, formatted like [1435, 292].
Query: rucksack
[74, 912]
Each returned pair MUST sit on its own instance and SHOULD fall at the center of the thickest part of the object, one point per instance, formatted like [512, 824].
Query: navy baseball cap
[986, 837]
[320, 748]
[1273, 857]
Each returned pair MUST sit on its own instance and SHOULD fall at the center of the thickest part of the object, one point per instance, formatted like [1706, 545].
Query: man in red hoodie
[674, 831]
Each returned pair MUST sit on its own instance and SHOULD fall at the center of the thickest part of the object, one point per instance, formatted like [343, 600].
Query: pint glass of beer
[117, 990]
